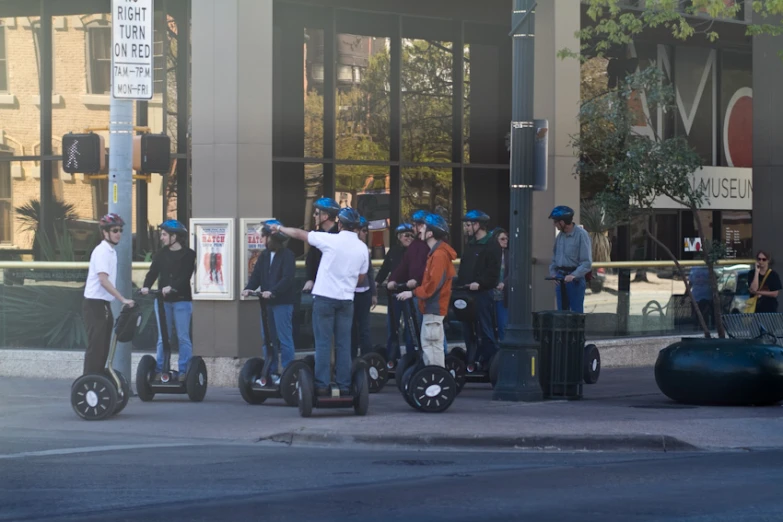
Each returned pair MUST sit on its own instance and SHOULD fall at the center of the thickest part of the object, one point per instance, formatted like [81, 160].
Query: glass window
[296, 186]
[6, 204]
[367, 189]
[426, 188]
[99, 45]
[737, 234]
[694, 72]
[736, 110]
[3, 66]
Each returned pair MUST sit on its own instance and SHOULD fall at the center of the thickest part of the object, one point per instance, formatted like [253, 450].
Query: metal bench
[751, 326]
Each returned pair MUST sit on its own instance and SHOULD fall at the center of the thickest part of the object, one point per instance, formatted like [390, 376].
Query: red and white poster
[250, 249]
[213, 241]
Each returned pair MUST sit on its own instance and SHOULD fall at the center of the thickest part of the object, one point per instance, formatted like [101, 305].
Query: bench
[751, 326]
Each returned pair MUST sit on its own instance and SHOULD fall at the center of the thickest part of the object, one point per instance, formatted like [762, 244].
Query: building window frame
[91, 60]
[7, 202]
[4, 88]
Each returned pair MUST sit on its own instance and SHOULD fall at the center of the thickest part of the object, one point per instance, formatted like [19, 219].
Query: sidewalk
[623, 411]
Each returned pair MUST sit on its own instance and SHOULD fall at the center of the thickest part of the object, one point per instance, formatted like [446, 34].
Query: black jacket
[313, 258]
[172, 268]
[277, 278]
[390, 262]
[480, 264]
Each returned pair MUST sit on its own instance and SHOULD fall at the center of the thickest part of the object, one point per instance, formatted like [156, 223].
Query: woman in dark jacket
[273, 275]
[501, 292]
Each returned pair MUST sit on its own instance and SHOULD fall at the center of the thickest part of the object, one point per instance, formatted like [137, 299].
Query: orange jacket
[434, 293]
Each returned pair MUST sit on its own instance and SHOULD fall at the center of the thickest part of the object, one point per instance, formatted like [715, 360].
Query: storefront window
[737, 234]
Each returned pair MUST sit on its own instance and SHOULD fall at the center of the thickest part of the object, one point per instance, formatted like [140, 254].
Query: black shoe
[323, 392]
[345, 393]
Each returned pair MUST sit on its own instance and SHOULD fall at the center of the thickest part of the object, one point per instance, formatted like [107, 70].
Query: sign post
[132, 69]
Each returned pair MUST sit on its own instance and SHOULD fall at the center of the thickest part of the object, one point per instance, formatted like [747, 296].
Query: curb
[664, 443]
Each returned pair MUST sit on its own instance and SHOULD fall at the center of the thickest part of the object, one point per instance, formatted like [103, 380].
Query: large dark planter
[728, 372]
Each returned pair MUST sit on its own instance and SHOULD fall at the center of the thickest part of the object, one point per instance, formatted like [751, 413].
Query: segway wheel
[459, 353]
[251, 370]
[406, 379]
[432, 389]
[376, 367]
[289, 381]
[309, 360]
[456, 367]
[196, 380]
[144, 372]
[94, 397]
[494, 368]
[361, 398]
[305, 392]
[592, 368]
[407, 360]
[126, 392]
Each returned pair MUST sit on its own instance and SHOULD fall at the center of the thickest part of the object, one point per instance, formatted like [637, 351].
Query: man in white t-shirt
[344, 261]
[99, 292]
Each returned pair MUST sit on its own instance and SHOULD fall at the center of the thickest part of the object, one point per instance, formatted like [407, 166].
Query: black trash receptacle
[562, 338]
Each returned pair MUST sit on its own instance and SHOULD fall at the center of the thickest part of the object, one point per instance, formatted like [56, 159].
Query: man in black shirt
[405, 235]
[325, 214]
[173, 266]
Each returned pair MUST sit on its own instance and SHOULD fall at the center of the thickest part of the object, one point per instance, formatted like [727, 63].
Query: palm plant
[46, 248]
[597, 223]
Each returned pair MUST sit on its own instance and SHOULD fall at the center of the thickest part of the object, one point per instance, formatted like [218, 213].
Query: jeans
[360, 329]
[332, 319]
[501, 312]
[483, 328]
[178, 316]
[280, 319]
[576, 295]
[393, 319]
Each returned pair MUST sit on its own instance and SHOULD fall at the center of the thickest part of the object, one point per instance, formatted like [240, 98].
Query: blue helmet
[403, 228]
[419, 216]
[328, 205]
[437, 223]
[174, 227]
[349, 218]
[562, 213]
[476, 216]
[267, 231]
[363, 222]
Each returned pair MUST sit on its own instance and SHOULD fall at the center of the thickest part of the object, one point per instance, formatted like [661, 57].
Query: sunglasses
[761, 259]
[116, 231]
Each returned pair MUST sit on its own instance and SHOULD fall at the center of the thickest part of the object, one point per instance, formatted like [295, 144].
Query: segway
[358, 399]
[592, 357]
[430, 389]
[148, 384]
[463, 304]
[98, 396]
[377, 371]
[257, 383]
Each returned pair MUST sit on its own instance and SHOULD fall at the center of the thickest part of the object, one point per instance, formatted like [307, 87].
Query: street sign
[132, 51]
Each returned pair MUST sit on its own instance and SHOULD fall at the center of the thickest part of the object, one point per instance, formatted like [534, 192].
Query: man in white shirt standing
[344, 261]
[99, 291]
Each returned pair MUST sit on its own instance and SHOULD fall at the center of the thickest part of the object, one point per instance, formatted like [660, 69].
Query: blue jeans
[332, 319]
[576, 295]
[393, 319]
[280, 319]
[360, 329]
[501, 312]
[483, 328]
[178, 316]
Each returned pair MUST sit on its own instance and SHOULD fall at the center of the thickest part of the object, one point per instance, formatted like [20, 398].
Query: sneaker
[276, 380]
[257, 382]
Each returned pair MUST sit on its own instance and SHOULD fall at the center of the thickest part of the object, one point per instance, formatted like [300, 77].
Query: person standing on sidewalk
[434, 293]
[364, 301]
[343, 265]
[173, 267]
[99, 291]
[394, 256]
[572, 258]
[765, 284]
[273, 275]
[325, 214]
[501, 292]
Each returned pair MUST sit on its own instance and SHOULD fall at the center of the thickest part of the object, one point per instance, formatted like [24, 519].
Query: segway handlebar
[156, 292]
[259, 294]
[557, 278]
[400, 287]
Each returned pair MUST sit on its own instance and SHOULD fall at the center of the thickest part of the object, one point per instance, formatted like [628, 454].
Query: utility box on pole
[132, 79]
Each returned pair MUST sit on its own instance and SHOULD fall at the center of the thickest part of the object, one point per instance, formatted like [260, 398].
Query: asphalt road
[53, 475]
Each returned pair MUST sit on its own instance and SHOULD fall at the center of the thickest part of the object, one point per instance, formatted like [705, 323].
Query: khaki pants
[432, 340]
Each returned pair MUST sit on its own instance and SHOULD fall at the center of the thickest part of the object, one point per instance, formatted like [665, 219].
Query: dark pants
[360, 329]
[484, 327]
[394, 313]
[98, 320]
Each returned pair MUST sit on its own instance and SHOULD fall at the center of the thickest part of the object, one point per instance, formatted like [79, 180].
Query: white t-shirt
[344, 259]
[102, 260]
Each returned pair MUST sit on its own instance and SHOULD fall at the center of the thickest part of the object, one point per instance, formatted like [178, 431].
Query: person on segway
[365, 299]
[99, 291]
[173, 267]
[479, 271]
[393, 258]
[434, 293]
[273, 275]
[572, 258]
[343, 266]
[325, 215]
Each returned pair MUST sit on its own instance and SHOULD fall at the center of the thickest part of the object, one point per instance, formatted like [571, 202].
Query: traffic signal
[151, 153]
[83, 153]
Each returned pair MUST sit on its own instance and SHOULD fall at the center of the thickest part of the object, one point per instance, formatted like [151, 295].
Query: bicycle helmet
[419, 216]
[403, 228]
[476, 216]
[562, 213]
[328, 205]
[437, 224]
[174, 227]
[363, 222]
[267, 231]
[111, 220]
[349, 218]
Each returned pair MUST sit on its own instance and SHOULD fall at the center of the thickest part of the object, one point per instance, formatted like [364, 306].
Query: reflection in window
[367, 189]
[3, 62]
[314, 93]
[296, 186]
[6, 204]
[426, 188]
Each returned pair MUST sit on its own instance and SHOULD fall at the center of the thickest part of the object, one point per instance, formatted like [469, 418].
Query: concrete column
[556, 99]
[232, 148]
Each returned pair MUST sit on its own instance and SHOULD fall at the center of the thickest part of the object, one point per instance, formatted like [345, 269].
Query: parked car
[733, 287]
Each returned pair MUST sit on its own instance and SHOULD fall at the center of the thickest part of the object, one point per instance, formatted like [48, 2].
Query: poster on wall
[250, 248]
[213, 241]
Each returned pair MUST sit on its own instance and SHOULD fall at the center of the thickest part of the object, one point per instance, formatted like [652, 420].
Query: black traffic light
[151, 153]
[83, 153]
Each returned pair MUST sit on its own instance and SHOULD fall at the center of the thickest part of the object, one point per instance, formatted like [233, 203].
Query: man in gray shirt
[572, 258]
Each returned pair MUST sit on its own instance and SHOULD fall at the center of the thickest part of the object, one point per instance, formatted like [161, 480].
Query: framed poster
[213, 241]
[249, 249]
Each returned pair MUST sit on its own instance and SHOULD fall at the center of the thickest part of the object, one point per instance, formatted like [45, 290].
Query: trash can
[562, 338]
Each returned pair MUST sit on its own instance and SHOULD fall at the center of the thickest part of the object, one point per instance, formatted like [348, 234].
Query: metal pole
[120, 198]
[518, 373]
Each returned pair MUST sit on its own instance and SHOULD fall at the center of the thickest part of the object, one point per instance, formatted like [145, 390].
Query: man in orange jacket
[434, 293]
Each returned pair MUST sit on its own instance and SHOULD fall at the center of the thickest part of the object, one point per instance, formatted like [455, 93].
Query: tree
[637, 170]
